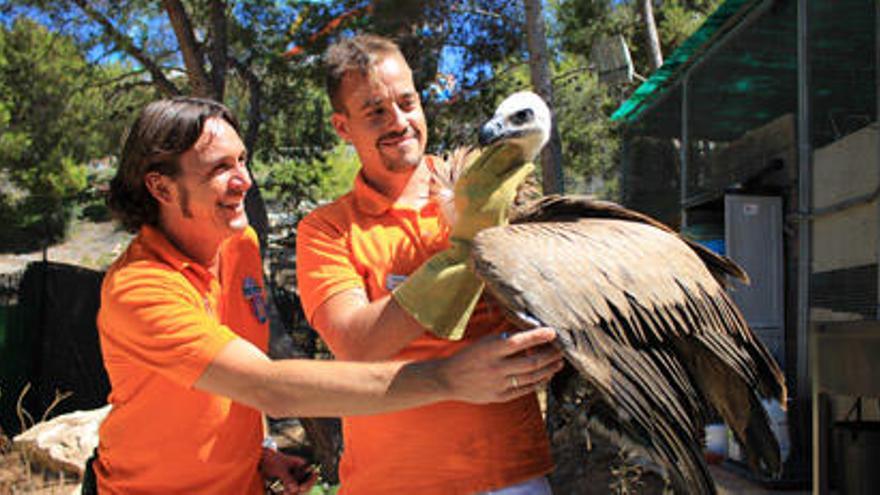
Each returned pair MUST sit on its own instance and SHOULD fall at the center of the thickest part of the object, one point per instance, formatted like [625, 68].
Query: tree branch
[572, 72]
[124, 87]
[114, 80]
[498, 75]
[189, 48]
[127, 45]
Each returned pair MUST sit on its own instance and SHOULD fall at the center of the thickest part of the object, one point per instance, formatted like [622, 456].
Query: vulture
[641, 313]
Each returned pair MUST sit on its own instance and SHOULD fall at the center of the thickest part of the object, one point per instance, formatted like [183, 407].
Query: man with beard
[184, 333]
[367, 288]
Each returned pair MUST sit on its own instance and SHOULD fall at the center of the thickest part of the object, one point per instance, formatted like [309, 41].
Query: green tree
[261, 57]
[590, 142]
[53, 118]
[583, 22]
[590, 145]
[296, 186]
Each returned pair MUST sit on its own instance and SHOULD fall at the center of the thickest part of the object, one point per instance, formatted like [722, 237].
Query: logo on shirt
[392, 280]
[254, 294]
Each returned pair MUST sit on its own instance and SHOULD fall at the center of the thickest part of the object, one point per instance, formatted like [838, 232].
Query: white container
[734, 451]
[716, 439]
[779, 426]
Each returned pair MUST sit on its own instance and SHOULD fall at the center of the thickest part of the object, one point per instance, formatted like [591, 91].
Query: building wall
[844, 281]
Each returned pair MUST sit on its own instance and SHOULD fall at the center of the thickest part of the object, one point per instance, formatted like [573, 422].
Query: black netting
[51, 342]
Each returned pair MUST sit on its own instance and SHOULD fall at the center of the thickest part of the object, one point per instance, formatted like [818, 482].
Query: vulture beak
[491, 131]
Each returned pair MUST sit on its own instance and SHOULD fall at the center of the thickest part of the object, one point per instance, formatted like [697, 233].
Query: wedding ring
[514, 382]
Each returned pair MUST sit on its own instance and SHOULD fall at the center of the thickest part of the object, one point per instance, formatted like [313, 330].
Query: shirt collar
[368, 199]
[154, 241]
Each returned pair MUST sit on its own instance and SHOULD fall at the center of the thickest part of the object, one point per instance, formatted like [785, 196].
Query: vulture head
[523, 120]
[509, 142]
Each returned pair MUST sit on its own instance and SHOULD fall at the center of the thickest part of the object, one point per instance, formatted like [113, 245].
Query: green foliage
[582, 105]
[582, 22]
[40, 76]
[297, 153]
[590, 144]
[91, 202]
[344, 166]
[323, 489]
[41, 79]
[55, 116]
[280, 100]
[298, 127]
[299, 184]
[681, 18]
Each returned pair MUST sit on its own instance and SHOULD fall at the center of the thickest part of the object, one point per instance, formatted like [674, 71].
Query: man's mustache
[397, 135]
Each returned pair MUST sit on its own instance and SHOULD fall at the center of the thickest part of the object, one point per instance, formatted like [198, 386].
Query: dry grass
[18, 474]
[26, 421]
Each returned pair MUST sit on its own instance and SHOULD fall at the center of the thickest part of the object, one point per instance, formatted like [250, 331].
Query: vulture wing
[642, 314]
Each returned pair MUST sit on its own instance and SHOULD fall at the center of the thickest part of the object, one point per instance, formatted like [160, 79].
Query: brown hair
[358, 53]
[162, 132]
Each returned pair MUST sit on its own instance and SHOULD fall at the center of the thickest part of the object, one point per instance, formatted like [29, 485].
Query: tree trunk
[551, 157]
[652, 40]
[254, 204]
[325, 437]
[190, 49]
[219, 42]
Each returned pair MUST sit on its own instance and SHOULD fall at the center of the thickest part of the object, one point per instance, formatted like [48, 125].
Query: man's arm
[335, 300]
[480, 373]
[356, 329]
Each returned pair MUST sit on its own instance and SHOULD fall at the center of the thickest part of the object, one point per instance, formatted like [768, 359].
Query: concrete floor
[731, 483]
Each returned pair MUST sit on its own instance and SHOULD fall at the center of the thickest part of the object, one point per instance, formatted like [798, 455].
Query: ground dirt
[18, 476]
[92, 245]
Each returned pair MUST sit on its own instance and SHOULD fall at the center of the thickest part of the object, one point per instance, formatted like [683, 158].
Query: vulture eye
[521, 117]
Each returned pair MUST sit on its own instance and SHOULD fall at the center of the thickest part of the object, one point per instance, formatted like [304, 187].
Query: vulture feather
[641, 313]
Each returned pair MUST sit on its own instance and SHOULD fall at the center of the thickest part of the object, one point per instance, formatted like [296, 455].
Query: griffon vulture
[641, 313]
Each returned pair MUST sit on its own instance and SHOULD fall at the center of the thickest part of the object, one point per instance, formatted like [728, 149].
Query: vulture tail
[763, 452]
[637, 414]
[735, 399]
[719, 265]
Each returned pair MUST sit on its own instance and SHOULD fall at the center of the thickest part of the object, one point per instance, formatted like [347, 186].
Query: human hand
[499, 368]
[287, 474]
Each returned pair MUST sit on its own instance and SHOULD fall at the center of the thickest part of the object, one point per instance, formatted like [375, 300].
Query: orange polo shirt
[364, 241]
[163, 319]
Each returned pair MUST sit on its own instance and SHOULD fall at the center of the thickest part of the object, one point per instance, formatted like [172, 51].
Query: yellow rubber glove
[442, 293]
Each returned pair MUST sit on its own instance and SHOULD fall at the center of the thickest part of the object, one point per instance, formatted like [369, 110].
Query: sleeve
[324, 266]
[157, 319]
